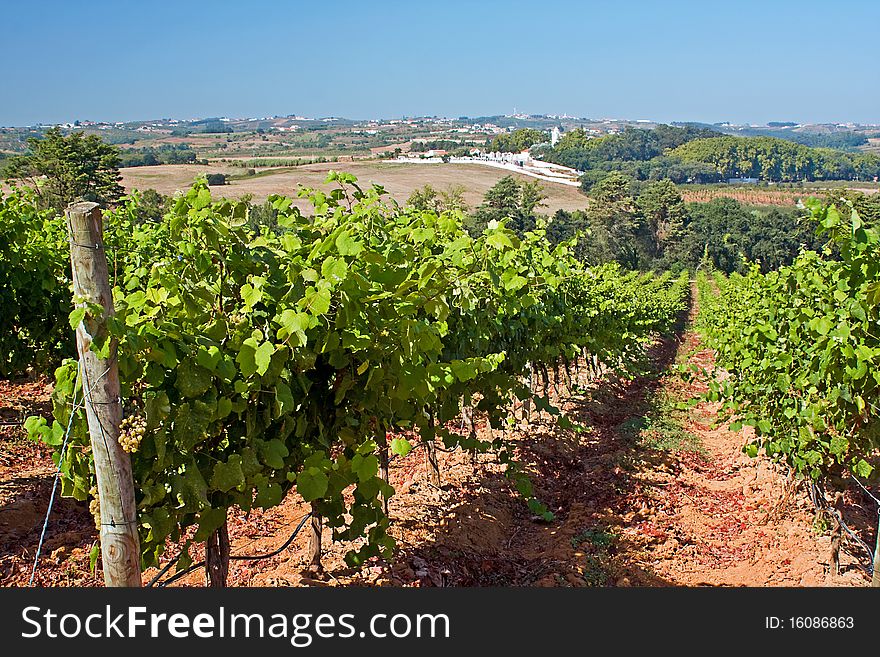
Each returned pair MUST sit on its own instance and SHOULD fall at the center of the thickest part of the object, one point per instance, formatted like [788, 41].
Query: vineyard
[255, 363]
[806, 331]
[299, 376]
[747, 196]
[800, 345]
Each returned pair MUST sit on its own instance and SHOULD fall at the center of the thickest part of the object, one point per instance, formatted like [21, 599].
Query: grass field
[398, 179]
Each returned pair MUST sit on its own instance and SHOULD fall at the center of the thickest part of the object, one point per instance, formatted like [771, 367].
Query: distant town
[271, 142]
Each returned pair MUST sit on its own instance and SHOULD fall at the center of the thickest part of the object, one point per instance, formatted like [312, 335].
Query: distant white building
[522, 159]
[554, 135]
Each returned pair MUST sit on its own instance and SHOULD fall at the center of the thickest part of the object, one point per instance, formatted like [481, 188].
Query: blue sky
[665, 60]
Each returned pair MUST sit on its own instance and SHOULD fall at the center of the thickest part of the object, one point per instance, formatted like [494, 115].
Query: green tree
[64, 169]
[425, 199]
[429, 199]
[566, 225]
[151, 206]
[532, 196]
[665, 214]
[614, 188]
[726, 231]
[621, 233]
[452, 199]
[503, 197]
[511, 201]
[518, 140]
[777, 160]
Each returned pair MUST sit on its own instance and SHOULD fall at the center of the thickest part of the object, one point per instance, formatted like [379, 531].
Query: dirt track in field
[648, 494]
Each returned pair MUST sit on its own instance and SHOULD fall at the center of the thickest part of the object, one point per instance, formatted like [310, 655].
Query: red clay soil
[633, 507]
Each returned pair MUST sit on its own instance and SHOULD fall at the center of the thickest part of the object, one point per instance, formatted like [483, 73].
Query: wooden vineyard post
[383, 470]
[315, 540]
[875, 577]
[217, 558]
[431, 463]
[527, 402]
[468, 412]
[120, 546]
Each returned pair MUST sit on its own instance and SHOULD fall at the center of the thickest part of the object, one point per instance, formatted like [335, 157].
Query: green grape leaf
[190, 489]
[209, 357]
[210, 520]
[348, 246]
[365, 467]
[228, 475]
[311, 484]
[94, 553]
[193, 380]
[263, 357]
[269, 495]
[285, 398]
[317, 301]
[863, 469]
[273, 452]
[76, 317]
[246, 358]
[400, 446]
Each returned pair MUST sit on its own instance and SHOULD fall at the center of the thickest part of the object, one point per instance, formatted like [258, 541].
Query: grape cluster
[95, 506]
[131, 432]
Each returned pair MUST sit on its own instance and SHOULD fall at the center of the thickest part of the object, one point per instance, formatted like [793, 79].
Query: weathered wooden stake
[432, 464]
[875, 578]
[315, 541]
[836, 538]
[383, 470]
[468, 413]
[120, 547]
[527, 402]
[217, 558]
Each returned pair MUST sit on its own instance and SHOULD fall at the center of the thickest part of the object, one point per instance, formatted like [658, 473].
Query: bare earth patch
[399, 179]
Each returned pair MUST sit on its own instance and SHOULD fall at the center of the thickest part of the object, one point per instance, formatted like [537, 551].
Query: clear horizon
[428, 116]
[748, 63]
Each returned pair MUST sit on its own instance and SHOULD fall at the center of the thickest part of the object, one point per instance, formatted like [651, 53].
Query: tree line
[693, 154]
[638, 224]
[455, 147]
[518, 140]
[164, 154]
[651, 227]
[648, 226]
[843, 141]
[777, 160]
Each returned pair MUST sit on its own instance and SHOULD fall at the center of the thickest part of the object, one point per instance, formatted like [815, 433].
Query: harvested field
[398, 179]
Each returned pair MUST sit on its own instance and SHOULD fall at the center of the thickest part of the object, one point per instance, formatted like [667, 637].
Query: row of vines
[801, 346]
[257, 362]
[747, 196]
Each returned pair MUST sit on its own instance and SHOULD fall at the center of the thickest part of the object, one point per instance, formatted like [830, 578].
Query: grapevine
[800, 346]
[267, 361]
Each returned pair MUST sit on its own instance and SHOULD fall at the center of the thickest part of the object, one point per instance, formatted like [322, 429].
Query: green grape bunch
[95, 506]
[131, 432]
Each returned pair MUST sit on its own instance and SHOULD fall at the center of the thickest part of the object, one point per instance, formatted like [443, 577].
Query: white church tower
[554, 135]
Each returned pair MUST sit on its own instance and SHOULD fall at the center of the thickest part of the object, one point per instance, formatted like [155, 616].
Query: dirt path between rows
[731, 520]
[649, 493]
